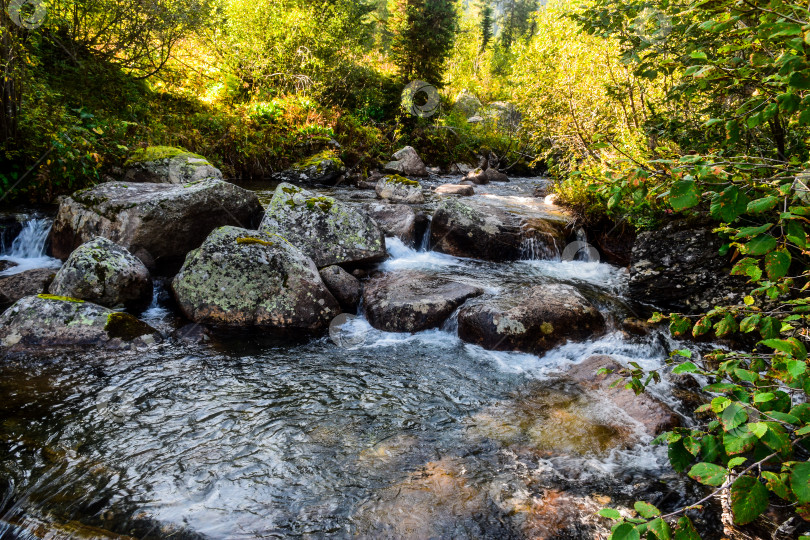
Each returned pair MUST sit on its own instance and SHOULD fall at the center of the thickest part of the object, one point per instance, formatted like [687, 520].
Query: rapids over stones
[171, 370]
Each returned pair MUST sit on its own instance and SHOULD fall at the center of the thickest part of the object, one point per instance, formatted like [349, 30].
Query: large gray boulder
[399, 189]
[467, 104]
[167, 165]
[326, 230]
[492, 232]
[406, 163]
[158, 223]
[395, 220]
[532, 321]
[679, 267]
[242, 278]
[37, 323]
[412, 301]
[102, 272]
[322, 168]
[30, 282]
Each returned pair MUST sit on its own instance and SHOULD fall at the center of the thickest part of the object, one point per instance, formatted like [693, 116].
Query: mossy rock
[168, 165]
[325, 168]
[398, 189]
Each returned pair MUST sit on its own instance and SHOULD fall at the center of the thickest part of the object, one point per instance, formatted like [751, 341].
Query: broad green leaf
[660, 529]
[730, 204]
[703, 326]
[760, 245]
[794, 231]
[777, 264]
[684, 194]
[686, 367]
[800, 80]
[708, 474]
[749, 498]
[735, 462]
[758, 428]
[784, 417]
[764, 204]
[733, 416]
[610, 513]
[762, 397]
[796, 367]
[679, 326]
[749, 324]
[777, 439]
[646, 510]
[800, 481]
[679, 456]
[738, 441]
[624, 531]
[727, 325]
[769, 327]
[778, 484]
[747, 267]
[684, 530]
[749, 232]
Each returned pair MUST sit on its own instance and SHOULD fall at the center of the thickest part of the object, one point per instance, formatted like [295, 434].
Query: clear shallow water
[396, 436]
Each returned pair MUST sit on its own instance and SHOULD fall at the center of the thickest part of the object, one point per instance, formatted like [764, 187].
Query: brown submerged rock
[412, 301]
[30, 282]
[531, 321]
[455, 189]
[655, 416]
[344, 287]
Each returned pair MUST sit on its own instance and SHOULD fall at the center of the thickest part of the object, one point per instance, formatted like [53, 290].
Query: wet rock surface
[412, 301]
[679, 267]
[36, 323]
[242, 278]
[158, 223]
[323, 168]
[326, 230]
[490, 231]
[530, 321]
[104, 273]
[344, 287]
[395, 220]
[455, 189]
[167, 165]
[27, 283]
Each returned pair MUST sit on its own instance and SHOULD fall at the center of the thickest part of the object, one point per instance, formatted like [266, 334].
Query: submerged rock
[412, 301]
[495, 233]
[242, 278]
[167, 165]
[407, 163]
[327, 231]
[103, 272]
[323, 168]
[655, 416]
[343, 286]
[395, 220]
[39, 322]
[679, 268]
[158, 223]
[30, 282]
[398, 189]
[531, 321]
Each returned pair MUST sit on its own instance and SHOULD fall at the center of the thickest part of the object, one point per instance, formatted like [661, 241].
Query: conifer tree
[423, 32]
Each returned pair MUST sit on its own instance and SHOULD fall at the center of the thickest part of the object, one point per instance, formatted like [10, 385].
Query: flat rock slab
[158, 223]
[398, 189]
[30, 282]
[326, 230]
[654, 415]
[413, 301]
[455, 189]
[395, 220]
[36, 323]
[242, 278]
[532, 321]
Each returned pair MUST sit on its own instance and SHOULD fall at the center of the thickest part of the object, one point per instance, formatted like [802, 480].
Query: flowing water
[29, 248]
[397, 435]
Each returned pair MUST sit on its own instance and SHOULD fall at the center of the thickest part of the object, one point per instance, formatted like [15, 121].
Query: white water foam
[28, 249]
[408, 258]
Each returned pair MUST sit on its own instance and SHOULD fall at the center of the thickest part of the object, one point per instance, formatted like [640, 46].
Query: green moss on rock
[60, 298]
[249, 240]
[317, 160]
[126, 327]
[397, 179]
[156, 153]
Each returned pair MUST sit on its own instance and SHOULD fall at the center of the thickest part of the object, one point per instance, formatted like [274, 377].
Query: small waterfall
[424, 245]
[534, 249]
[585, 254]
[30, 243]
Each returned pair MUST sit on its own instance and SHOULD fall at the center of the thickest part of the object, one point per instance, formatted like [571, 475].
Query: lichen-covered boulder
[399, 189]
[102, 272]
[344, 287]
[530, 321]
[30, 282]
[323, 168]
[37, 323]
[412, 301]
[395, 220]
[158, 223]
[167, 165]
[467, 104]
[655, 416]
[327, 231]
[485, 231]
[455, 189]
[406, 163]
[242, 278]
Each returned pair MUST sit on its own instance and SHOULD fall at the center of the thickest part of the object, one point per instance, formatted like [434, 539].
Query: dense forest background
[640, 111]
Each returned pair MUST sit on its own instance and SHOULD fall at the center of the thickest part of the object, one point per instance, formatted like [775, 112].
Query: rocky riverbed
[455, 396]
